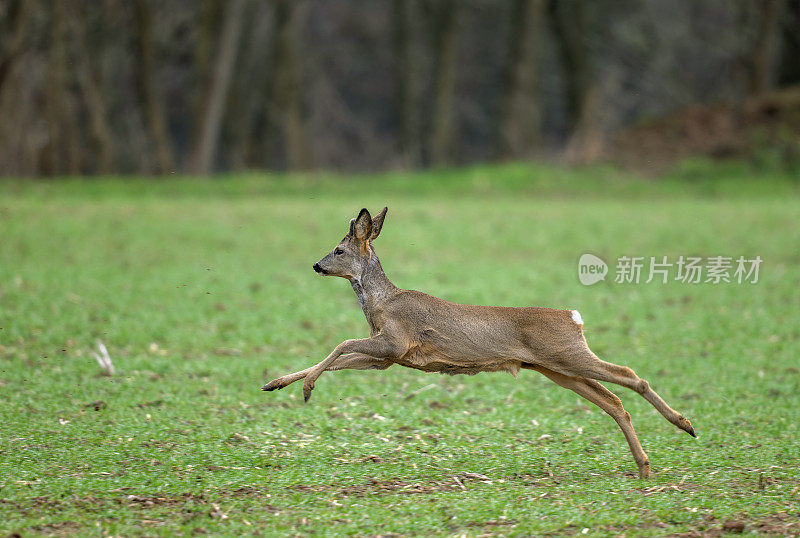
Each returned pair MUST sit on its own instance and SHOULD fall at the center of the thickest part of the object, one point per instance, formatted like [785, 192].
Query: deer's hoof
[307, 388]
[272, 385]
[685, 425]
[644, 469]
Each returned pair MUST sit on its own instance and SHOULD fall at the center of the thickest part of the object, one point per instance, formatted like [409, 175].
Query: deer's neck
[372, 287]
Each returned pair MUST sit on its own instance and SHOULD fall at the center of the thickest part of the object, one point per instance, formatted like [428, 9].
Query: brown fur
[416, 330]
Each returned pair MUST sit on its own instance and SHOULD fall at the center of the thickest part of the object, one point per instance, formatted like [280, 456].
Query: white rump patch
[576, 317]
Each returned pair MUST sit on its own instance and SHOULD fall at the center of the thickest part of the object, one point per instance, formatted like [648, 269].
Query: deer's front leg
[355, 361]
[380, 347]
[286, 380]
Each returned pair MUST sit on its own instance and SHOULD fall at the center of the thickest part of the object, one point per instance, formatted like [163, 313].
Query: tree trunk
[582, 94]
[147, 78]
[287, 76]
[61, 152]
[588, 138]
[761, 60]
[205, 150]
[243, 96]
[517, 133]
[788, 70]
[569, 26]
[406, 87]
[208, 26]
[13, 43]
[445, 38]
[100, 131]
[94, 97]
[258, 144]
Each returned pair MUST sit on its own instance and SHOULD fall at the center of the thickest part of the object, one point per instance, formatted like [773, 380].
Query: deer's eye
[338, 252]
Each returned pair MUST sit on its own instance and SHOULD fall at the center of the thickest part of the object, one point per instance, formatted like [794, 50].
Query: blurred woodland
[156, 87]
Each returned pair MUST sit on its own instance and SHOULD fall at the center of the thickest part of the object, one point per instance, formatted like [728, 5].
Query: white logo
[591, 269]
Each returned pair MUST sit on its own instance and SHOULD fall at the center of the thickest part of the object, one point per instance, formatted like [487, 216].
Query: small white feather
[104, 360]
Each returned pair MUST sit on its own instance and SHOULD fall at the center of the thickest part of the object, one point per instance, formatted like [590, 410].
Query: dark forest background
[155, 87]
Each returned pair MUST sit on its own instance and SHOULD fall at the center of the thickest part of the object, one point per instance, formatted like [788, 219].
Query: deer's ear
[377, 224]
[361, 228]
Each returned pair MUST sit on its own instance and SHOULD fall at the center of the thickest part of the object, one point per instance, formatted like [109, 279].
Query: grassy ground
[204, 290]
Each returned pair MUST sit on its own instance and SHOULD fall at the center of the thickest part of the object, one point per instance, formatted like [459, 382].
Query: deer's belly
[429, 361]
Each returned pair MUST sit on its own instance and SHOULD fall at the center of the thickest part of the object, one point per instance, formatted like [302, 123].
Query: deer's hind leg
[584, 363]
[608, 402]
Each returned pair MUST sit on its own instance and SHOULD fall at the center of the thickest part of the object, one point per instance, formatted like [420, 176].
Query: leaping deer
[413, 329]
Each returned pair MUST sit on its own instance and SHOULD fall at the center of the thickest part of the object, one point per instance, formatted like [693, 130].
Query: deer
[416, 330]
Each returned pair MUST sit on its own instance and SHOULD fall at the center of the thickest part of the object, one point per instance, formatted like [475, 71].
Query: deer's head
[350, 257]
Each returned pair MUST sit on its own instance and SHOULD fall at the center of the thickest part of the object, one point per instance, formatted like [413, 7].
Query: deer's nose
[319, 269]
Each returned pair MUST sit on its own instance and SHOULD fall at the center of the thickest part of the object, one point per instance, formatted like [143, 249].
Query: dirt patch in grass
[92, 503]
[780, 524]
[717, 131]
[373, 486]
[210, 498]
[63, 528]
[453, 482]
[492, 523]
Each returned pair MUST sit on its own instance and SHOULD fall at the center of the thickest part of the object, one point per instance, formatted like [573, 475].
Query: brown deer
[419, 331]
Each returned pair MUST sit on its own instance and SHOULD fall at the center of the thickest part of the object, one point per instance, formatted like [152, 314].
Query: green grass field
[202, 290]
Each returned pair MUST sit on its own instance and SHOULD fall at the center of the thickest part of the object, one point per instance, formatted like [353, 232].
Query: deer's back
[475, 335]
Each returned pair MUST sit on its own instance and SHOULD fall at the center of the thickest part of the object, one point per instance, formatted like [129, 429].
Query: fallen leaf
[98, 405]
[216, 513]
